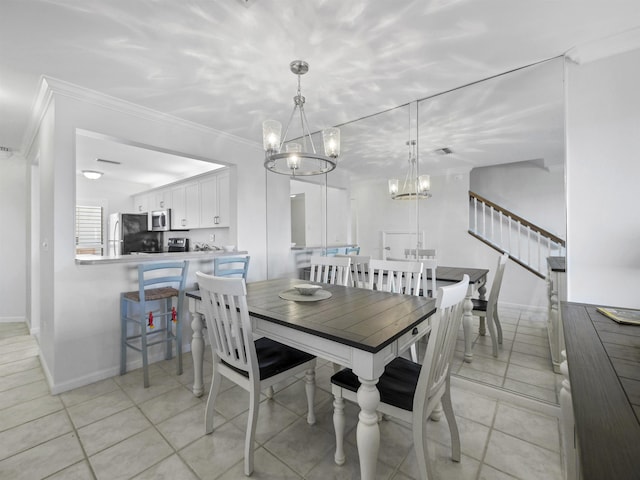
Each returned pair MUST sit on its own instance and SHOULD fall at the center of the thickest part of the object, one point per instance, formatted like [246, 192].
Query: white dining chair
[396, 276]
[359, 270]
[410, 391]
[330, 269]
[488, 309]
[254, 365]
[429, 265]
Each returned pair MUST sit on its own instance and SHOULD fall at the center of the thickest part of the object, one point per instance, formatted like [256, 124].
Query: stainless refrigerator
[128, 233]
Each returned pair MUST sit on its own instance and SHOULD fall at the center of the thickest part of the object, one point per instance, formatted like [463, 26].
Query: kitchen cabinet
[185, 206]
[214, 201]
[141, 203]
[160, 200]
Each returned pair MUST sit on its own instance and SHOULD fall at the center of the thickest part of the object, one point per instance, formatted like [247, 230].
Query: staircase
[526, 243]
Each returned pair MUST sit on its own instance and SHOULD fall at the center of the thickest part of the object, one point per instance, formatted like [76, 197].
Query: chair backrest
[330, 269]
[445, 325]
[397, 276]
[359, 270]
[419, 253]
[492, 302]
[330, 252]
[237, 266]
[429, 266]
[352, 251]
[165, 274]
[228, 323]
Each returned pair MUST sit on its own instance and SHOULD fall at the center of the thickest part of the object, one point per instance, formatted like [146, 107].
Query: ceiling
[225, 63]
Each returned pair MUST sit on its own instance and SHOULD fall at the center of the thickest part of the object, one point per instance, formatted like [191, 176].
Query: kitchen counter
[153, 257]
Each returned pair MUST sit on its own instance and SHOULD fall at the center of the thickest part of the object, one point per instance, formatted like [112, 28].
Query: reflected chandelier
[294, 158]
[415, 186]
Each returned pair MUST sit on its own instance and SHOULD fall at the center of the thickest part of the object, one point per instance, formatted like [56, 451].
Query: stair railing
[526, 243]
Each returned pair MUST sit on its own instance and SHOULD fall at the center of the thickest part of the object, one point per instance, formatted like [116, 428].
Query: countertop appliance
[129, 233]
[161, 220]
[178, 244]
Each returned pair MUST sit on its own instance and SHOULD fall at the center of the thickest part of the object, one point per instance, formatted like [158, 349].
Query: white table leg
[467, 320]
[368, 432]
[481, 295]
[197, 352]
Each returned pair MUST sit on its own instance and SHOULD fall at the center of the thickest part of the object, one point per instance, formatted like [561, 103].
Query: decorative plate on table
[293, 294]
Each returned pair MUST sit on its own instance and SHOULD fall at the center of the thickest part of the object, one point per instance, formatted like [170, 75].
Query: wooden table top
[557, 264]
[365, 319]
[604, 371]
[455, 274]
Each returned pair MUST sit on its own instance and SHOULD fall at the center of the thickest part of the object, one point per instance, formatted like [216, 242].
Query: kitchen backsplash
[213, 237]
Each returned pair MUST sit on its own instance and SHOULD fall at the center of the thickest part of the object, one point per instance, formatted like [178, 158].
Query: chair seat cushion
[397, 385]
[274, 358]
[153, 294]
[479, 305]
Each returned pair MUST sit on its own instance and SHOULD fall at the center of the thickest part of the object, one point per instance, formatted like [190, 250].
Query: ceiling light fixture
[415, 186]
[295, 159]
[92, 174]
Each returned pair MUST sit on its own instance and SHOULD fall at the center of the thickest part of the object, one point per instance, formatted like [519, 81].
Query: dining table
[356, 328]
[477, 284]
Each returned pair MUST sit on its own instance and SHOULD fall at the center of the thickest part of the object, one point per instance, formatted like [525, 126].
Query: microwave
[161, 220]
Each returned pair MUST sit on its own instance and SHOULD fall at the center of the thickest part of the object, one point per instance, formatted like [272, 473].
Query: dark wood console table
[604, 371]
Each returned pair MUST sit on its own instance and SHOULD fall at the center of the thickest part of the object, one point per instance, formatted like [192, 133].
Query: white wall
[444, 219]
[79, 337]
[528, 189]
[14, 193]
[603, 168]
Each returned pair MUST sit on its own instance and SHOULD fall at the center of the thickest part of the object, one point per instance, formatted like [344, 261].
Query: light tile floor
[523, 364]
[116, 429]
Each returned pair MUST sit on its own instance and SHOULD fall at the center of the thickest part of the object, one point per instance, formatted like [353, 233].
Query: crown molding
[605, 47]
[50, 87]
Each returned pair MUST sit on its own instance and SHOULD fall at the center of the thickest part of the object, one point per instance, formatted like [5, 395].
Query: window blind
[89, 228]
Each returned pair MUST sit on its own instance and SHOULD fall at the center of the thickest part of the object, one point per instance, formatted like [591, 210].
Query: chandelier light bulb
[424, 183]
[393, 186]
[271, 132]
[293, 159]
[331, 139]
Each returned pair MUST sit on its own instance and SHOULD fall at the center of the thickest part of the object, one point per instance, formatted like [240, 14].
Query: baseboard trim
[546, 408]
[57, 388]
[13, 319]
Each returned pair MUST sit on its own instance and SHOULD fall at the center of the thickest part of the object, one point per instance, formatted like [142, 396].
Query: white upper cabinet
[141, 203]
[185, 206]
[214, 201]
[201, 202]
[160, 200]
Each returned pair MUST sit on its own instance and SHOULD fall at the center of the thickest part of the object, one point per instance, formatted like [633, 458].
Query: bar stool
[237, 266]
[153, 324]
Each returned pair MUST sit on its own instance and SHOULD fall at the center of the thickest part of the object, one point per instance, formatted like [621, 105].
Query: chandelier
[415, 186]
[294, 158]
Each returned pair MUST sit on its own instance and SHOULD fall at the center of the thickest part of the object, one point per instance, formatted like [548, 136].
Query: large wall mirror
[502, 138]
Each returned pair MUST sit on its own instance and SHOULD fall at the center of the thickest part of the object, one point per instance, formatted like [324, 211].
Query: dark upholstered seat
[397, 386]
[274, 358]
